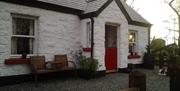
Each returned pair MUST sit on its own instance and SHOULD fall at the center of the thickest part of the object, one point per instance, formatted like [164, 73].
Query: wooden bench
[39, 66]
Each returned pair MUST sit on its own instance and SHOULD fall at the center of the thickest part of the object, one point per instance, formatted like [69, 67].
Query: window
[132, 36]
[23, 35]
[88, 35]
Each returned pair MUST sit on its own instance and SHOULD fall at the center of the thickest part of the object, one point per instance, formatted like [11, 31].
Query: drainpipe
[92, 37]
[179, 35]
[149, 35]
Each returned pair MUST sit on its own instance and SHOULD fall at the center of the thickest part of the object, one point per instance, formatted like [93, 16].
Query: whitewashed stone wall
[142, 42]
[112, 14]
[84, 36]
[58, 34]
[84, 32]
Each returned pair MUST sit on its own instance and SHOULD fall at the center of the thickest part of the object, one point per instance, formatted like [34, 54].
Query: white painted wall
[58, 34]
[84, 36]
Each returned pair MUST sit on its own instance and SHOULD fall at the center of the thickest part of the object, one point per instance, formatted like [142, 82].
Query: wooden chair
[38, 66]
[37, 63]
[64, 64]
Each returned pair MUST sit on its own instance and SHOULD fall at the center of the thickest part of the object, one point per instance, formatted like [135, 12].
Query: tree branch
[131, 3]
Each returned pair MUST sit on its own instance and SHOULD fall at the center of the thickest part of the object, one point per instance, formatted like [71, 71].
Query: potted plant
[87, 65]
[24, 55]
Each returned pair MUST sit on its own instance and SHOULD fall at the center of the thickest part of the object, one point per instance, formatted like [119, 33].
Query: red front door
[111, 47]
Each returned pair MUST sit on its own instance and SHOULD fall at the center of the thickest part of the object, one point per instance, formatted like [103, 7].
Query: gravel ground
[111, 82]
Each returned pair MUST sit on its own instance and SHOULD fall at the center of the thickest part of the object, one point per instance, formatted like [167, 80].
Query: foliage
[157, 44]
[86, 63]
[175, 59]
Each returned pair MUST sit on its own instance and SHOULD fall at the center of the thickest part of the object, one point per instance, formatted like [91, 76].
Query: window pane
[132, 47]
[21, 45]
[110, 36]
[88, 39]
[23, 26]
[132, 37]
[132, 41]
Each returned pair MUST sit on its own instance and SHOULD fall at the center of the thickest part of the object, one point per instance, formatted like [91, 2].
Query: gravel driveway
[111, 82]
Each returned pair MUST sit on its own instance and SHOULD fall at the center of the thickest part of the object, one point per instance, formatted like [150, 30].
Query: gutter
[92, 37]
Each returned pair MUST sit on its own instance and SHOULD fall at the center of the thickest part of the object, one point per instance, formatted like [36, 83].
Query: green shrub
[88, 64]
[175, 59]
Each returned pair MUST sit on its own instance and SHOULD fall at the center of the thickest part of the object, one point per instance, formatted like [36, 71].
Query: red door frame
[110, 49]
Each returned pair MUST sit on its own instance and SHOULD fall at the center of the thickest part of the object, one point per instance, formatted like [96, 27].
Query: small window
[132, 36]
[88, 35]
[23, 35]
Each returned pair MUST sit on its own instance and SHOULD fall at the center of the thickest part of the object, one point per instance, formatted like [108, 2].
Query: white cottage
[49, 27]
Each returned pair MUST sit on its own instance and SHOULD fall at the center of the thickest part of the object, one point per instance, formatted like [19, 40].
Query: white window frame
[88, 34]
[136, 39]
[34, 37]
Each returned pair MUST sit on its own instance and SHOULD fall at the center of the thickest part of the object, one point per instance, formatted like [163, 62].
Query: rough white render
[58, 34]
[84, 36]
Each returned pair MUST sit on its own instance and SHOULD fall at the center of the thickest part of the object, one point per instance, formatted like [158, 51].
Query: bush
[88, 64]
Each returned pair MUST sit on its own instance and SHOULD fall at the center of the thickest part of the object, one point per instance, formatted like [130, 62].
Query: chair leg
[36, 78]
[75, 72]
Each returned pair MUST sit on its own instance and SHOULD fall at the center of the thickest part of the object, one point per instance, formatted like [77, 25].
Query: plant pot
[24, 55]
[86, 74]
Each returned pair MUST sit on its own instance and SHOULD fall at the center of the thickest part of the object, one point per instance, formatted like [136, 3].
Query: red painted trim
[17, 61]
[133, 56]
[111, 58]
[87, 49]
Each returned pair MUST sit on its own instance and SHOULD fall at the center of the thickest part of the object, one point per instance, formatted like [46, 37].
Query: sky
[160, 15]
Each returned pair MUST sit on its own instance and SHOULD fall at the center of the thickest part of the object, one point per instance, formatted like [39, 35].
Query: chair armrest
[73, 63]
[53, 64]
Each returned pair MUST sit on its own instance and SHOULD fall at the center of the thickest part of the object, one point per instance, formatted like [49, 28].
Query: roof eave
[96, 13]
[44, 5]
[129, 19]
[137, 23]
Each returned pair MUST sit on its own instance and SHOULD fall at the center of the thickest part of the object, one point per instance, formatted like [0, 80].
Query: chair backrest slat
[62, 59]
[38, 62]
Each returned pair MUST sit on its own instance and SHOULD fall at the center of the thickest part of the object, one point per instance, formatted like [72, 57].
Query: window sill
[11, 61]
[20, 55]
[87, 49]
[134, 56]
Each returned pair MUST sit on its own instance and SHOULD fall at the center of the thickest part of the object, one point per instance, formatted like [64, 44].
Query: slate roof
[76, 4]
[84, 9]
[95, 5]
